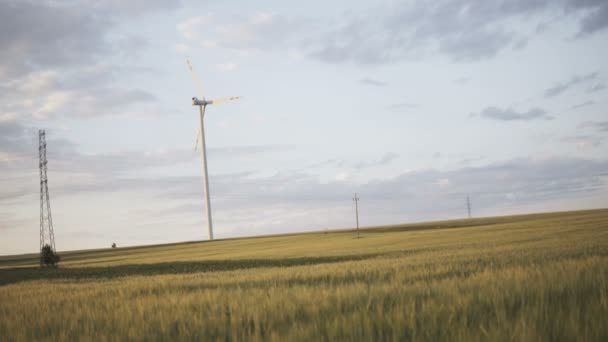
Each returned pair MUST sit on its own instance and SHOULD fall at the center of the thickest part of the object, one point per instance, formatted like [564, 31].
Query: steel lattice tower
[46, 221]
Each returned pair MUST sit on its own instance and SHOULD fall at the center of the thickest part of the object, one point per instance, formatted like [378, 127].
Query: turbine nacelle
[197, 102]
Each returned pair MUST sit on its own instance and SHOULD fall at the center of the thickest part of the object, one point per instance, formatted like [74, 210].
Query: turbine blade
[196, 80]
[198, 134]
[218, 101]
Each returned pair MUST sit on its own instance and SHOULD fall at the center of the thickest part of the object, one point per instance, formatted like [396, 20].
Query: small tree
[48, 256]
[114, 245]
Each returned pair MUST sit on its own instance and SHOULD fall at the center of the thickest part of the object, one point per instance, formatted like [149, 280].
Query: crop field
[541, 277]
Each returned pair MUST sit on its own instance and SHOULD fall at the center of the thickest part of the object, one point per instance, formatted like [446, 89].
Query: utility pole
[469, 206]
[356, 199]
[47, 236]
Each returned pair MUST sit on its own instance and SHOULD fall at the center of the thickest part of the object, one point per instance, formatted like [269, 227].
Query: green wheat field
[541, 277]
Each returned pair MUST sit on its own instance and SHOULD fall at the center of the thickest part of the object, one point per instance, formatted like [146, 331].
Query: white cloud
[583, 142]
[443, 182]
[226, 67]
[243, 33]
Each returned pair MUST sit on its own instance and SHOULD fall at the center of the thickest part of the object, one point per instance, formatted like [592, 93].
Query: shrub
[48, 256]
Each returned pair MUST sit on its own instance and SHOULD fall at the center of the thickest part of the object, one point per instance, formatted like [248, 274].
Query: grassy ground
[534, 277]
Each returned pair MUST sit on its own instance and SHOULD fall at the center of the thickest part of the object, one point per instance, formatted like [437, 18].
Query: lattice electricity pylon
[46, 221]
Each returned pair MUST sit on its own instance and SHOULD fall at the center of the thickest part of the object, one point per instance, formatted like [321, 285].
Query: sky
[414, 105]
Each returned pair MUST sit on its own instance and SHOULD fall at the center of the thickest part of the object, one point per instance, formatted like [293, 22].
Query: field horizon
[415, 225]
[539, 277]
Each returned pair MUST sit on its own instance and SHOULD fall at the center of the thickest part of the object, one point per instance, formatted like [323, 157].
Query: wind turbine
[202, 105]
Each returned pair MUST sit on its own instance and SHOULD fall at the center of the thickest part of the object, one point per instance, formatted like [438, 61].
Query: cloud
[595, 15]
[559, 88]
[36, 35]
[462, 31]
[291, 201]
[402, 106]
[226, 67]
[582, 105]
[254, 32]
[475, 45]
[596, 88]
[462, 80]
[41, 34]
[443, 182]
[55, 58]
[381, 160]
[81, 92]
[234, 151]
[600, 126]
[75, 171]
[583, 141]
[426, 193]
[372, 82]
[385, 159]
[510, 114]
[14, 141]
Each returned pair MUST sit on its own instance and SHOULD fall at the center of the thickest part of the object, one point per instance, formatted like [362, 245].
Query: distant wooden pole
[356, 199]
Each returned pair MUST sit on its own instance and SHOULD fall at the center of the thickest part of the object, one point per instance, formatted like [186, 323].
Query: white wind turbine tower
[202, 105]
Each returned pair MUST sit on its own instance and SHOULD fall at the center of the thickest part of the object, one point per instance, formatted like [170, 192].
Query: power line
[469, 206]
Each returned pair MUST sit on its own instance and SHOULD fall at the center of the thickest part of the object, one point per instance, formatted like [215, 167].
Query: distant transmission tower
[356, 199]
[469, 206]
[46, 221]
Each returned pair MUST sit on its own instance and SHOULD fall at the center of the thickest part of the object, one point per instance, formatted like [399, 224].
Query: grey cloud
[596, 88]
[54, 58]
[582, 105]
[10, 221]
[595, 21]
[77, 172]
[301, 201]
[601, 126]
[385, 159]
[475, 45]
[510, 114]
[595, 15]
[133, 7]
[81, 92]
[36, 35]
[247, 150]
[11, 131]
[583, 141]
[372, 82]
[462, 30]
[42, 34]
[254, 32]
[462, 80]
[425, 194]
[123, 97]
[16, 139]
[468, 161]
[381, 160]
[118, 165]
[559, 88]
[402, 106]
